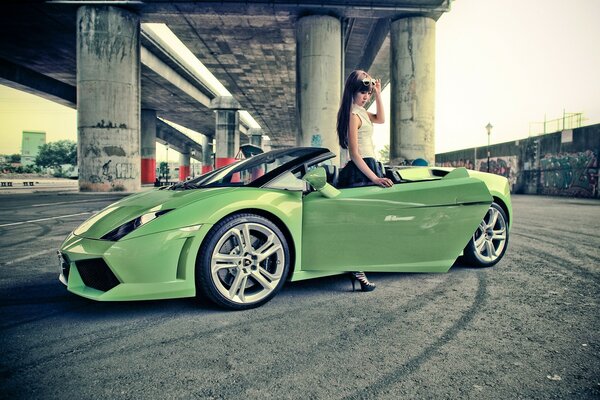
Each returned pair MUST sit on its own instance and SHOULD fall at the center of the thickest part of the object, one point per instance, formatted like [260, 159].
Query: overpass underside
[280, 67]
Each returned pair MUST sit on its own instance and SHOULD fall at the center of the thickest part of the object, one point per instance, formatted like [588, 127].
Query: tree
[13, 158]
[54, 154]
[163, 170]
[384, 154]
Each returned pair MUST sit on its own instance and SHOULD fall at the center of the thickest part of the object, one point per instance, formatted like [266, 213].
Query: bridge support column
[207, 152]
[412, 102]
[255, 136]
[108, 99]
[227, 132]
[319, 80]
[148, 146]
[184, 164]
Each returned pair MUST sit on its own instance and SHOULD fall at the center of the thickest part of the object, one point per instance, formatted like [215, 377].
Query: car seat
[332, 174]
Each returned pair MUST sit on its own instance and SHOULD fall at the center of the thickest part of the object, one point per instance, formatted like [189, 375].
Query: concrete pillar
[148, 146]
[227, 132]
[255, 136]
[184, 164]
[412, 102]
[319, 80]
[195, 155]
[207, 151]
[108, 99]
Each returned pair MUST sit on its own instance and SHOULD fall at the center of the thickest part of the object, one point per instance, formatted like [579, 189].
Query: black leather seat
[332, 174]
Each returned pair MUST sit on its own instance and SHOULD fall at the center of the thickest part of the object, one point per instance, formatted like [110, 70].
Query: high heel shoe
[365, 285]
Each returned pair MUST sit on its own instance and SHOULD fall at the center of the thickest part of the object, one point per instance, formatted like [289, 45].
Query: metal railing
[568, 121]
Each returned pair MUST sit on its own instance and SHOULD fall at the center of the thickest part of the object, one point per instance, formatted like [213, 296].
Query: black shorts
[351, 176]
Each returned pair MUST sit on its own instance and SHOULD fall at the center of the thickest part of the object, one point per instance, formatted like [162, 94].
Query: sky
[510, 63]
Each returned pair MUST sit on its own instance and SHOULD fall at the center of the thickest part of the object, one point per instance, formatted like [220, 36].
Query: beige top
[365, 132]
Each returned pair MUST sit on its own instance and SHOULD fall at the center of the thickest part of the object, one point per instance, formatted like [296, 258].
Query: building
[30, 146]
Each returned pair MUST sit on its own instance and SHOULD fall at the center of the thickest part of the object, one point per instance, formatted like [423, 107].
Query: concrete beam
[155, 64]
[30, 81]
[225, 103]
[177, 141]
[378, 34]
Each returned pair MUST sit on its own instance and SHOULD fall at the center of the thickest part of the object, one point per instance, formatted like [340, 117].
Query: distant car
[236, 234]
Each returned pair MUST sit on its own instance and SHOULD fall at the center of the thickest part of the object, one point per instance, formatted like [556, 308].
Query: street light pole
[489, 131]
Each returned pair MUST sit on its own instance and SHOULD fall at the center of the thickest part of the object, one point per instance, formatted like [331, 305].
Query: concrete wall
[559, 164]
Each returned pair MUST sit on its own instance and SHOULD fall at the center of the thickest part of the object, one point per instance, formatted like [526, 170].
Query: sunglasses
[368, 82]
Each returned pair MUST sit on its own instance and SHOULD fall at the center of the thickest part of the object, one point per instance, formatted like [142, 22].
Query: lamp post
[192, 162]
[489, 131]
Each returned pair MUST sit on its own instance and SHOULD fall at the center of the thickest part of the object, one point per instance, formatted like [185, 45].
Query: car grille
[96, 274]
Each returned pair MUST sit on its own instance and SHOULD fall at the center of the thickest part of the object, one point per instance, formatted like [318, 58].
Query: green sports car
[236, 234]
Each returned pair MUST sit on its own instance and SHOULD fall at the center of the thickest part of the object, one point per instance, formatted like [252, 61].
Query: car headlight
[132, 225]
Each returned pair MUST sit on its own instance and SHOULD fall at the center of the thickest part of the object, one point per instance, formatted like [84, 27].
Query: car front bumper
[155, 266]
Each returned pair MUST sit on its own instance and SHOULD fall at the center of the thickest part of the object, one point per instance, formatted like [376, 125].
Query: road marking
[45, 219]
[74, 202]
[16, 260]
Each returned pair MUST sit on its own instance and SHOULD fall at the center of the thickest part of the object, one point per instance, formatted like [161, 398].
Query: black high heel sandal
[365, 285]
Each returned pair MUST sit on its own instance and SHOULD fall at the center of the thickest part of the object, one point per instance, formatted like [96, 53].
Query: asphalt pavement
[528, 328]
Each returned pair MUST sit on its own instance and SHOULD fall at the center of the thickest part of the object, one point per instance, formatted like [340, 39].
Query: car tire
[490, 241]
[243, 262]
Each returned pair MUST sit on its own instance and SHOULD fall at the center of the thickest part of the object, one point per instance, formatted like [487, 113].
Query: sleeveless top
[365, 132]
[351, 175]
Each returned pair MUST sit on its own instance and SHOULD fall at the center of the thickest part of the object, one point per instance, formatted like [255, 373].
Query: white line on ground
[45, 219]
[72, 202]
[16, 260]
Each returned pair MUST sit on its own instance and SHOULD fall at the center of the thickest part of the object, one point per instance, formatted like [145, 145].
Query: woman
[355, 133]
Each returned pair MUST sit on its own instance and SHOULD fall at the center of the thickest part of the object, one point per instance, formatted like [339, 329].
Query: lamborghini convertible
[236, 234]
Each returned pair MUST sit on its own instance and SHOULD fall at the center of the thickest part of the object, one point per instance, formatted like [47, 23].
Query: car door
[413, 227]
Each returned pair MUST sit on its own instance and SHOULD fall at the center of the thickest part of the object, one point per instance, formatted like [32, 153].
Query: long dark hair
[354, 84]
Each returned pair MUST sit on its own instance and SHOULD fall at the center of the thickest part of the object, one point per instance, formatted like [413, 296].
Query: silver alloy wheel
[247, 263]
[490, 237]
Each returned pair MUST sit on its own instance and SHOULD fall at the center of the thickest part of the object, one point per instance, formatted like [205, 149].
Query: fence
[568, 121]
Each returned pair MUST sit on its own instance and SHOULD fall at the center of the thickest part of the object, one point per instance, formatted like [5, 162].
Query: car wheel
[490, 240]
[243, 262]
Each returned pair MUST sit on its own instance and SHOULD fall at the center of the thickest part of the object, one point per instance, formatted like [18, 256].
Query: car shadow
[43, 299]
[342, 282]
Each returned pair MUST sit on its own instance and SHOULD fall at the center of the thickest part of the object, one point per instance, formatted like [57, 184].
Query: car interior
[333, 173]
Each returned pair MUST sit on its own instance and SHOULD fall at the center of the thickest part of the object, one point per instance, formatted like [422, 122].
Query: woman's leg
[365, 284]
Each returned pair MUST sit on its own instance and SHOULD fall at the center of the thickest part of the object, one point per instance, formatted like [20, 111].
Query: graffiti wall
[556, 164]
[468, 164]
[506, 166]
[569, 174]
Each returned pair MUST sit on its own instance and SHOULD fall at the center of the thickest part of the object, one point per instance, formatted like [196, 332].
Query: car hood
[136, 205]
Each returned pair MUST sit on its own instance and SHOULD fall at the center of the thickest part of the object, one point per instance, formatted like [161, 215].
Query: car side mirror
[317, 178]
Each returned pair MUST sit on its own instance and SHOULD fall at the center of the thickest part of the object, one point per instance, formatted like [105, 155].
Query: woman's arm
[378, 118]
[355, 156]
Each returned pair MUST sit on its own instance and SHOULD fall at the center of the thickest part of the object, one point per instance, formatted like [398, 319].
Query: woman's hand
[384, 182]
[378, 86]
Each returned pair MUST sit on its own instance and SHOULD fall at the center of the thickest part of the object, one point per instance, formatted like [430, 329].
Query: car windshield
[259, 168]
